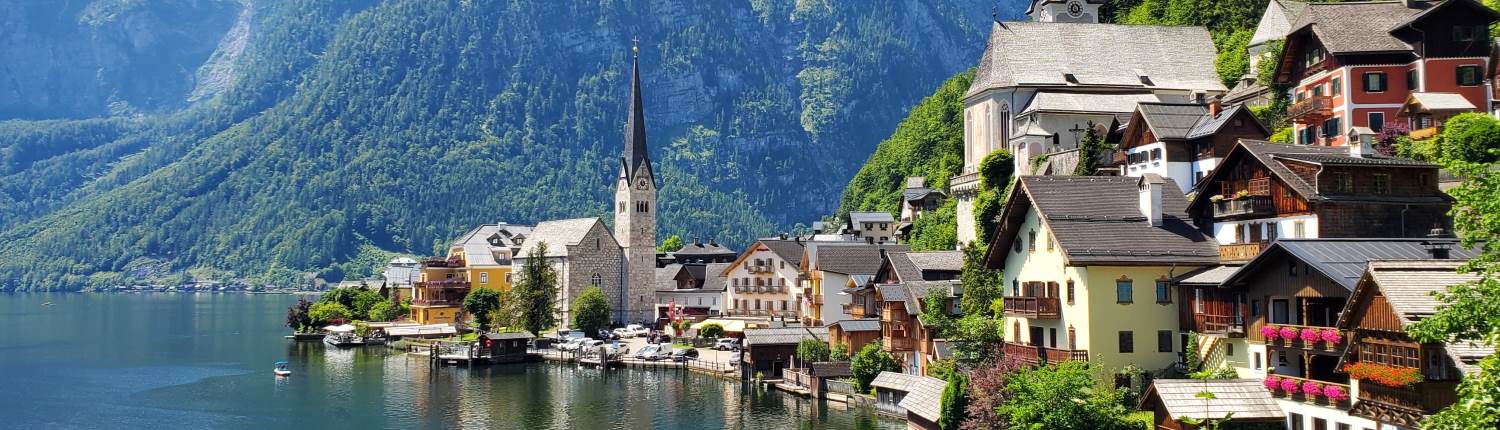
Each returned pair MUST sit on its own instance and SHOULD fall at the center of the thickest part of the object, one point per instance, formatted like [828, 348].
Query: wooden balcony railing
[447, 284]
[1311, 110]
[897, 343]
[1321, 343]
[1224, 325]
[1240, 252]
[442, 262]
[1422, 134]
[1427, 397]
[438, 302]
[1244, 207]
[1032, 307]
[1031, 355]
[1299, 392]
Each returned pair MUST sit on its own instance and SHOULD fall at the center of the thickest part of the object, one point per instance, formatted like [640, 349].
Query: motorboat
[281, 369]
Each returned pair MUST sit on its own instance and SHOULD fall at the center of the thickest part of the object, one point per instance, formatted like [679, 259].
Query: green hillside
[359, 129]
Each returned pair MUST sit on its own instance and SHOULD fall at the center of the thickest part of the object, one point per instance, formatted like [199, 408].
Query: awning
[341, 328]
[730, 326]
[421, 330]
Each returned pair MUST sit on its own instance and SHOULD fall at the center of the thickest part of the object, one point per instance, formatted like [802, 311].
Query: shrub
[1472, 137]
[996, 169]
[711, 331]
[868, 364]
[812, 350]
[839, 352]
[591, 311]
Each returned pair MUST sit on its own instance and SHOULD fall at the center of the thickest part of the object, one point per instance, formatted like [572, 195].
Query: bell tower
[635, 210]
[1086, 11]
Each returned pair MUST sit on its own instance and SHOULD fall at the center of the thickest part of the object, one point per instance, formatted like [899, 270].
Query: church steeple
[635, 154]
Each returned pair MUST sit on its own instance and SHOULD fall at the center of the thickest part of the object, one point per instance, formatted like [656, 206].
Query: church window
[1004, 123]
[596, 280]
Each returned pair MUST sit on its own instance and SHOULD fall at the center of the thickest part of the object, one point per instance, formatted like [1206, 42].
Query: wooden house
[1391, 295]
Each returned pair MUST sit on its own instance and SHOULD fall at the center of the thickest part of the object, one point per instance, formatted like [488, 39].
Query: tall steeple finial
[635, 125]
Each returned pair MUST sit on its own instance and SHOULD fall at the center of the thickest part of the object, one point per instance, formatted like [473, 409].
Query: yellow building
[480, 258]
[1087, 266]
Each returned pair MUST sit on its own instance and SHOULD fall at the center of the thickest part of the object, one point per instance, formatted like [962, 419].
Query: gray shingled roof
[866, 324]
[924, 397]
[914, 194]
[893, 292]
[1441, 101]
[1409, 287]
[666, 277]
[830, 369]
[1343, 260]
[937, 260]
[1247, 399]
[1208, 276]
[1272, 155]
[711, 279]
[1041, 53]
[1172, 120]
[1047, 101]
[1097, 220]
[1357, 27]
[508, 336]
[859, 217]
[1211, 124]
[1277, 20]
[783, 335]
[559, 235]
[699, 248]
[851, 258]
[787, 249]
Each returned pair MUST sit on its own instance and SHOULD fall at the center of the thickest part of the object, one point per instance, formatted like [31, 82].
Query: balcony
[1222, 325]
[1032, 355]
[1240, 252]
[1326, 394]
[442, 262]
[1423, 134]
[1425, 398]
[1245, 207]
[1032, 307]
[1306, 338]
[1311, 110]
[817, 300]
[437, 302]
[446, 284]
[897, 343]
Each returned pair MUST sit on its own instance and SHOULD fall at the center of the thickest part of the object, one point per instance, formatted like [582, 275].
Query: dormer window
[1314, 56]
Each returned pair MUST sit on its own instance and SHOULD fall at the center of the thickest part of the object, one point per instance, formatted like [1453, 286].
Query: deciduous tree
[868, 364]
[482, 303]
[591, 311]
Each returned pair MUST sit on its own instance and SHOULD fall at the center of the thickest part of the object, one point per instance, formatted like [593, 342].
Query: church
[585, 253]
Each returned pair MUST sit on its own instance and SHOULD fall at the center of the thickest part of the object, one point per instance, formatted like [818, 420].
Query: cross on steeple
[635, 47]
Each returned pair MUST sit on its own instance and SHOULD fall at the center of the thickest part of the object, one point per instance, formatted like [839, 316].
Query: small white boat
[281, 369]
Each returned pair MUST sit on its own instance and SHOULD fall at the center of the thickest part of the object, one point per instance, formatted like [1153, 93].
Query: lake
[204, 361]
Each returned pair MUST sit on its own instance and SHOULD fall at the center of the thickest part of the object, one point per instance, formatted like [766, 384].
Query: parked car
[589, 346]
[636, 330]
[617, 348]
[682, 355]
[608, 335]
[622, 333]
[649, 350]
[573, 344]
[662, 352]
[727, 344]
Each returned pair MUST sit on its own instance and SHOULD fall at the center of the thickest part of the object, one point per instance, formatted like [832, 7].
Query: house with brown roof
[829, 268]
[1088, 262]
[762, 282]
[1392, 295]
[1183, 141]
[692, 290]
[1264, 191]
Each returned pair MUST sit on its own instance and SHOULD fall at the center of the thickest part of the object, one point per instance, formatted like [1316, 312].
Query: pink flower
[1269, 332]
[1335, 393]
[1288, 333]
[1272, 383]
[1332, 336]
[1310, 335]
[1289, 386]
[1312, 389]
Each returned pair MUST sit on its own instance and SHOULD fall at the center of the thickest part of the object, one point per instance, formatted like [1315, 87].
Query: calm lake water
[204, 361]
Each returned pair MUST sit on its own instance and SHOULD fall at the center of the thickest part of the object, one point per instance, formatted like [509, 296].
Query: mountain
[321, 137]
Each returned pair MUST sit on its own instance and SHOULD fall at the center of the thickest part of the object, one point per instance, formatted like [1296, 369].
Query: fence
[841, 386]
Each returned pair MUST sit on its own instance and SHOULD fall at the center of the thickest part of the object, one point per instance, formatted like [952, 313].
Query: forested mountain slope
[351, 130]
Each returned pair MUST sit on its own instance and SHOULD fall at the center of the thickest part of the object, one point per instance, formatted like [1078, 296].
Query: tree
[324, 313]
[1061, 396]
[357, 300]
[297, 316]
[955, 402]
[482, 303]
[535, 293]
[936, 312]
[996, 169]
[591, 310]
[1090, 148]
[1470, 312]
[385, 311]
[670, 244]
[979, 327]
[812, 350]
[868, 364]
[711, 331]
[986, 389]
[839, 352]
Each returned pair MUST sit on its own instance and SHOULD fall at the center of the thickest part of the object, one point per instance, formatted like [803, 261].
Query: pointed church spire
[635, 126]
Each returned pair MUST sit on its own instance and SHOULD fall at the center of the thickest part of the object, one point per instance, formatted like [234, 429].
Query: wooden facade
[1379, 338]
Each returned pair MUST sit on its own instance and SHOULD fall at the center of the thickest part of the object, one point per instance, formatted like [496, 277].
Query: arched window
[1004, 125]
[1015, 332]
[596, 280]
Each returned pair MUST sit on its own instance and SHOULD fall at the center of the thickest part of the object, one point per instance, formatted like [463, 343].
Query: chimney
[698, 240]
[1150, 187]
[1361, 142]
[1214, 108]
[711, 242]
[783, 235]
[1436, 246]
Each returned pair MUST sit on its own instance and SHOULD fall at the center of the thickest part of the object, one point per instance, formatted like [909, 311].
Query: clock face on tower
[641, 184]
[1075, 8]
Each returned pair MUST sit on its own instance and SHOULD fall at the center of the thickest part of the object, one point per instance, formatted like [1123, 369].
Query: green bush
[996, 169]
[1062, 396]
[868, 364]
[1282, 135]
[385, 311]
[1471, 137]
[711, 331]
[590, 311]
[839, 352]
[812, 350]
[325, 313]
